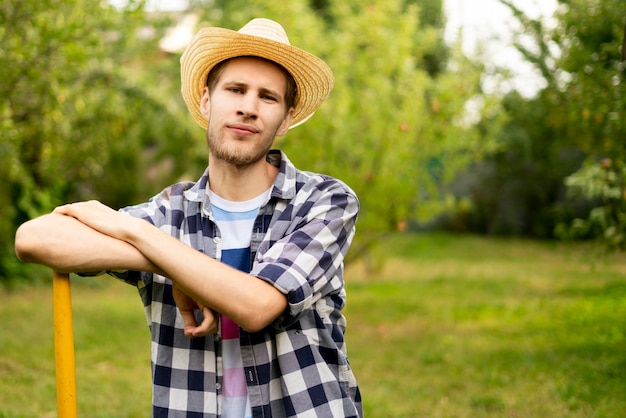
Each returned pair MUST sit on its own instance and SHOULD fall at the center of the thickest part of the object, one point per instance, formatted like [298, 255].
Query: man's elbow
[25, 243]
[265, 315]
[255, 324]
[33, 239]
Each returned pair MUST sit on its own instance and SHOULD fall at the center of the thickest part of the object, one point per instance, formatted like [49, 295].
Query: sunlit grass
[468, 327]
[451, 326]
[112, 347]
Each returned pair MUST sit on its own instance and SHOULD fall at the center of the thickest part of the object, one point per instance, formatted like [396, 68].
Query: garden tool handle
[64, 346]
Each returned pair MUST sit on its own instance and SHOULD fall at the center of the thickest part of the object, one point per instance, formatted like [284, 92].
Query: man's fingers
[187, 307]
[89, 204]
[62, 210]
[189, 320]
[209, 323]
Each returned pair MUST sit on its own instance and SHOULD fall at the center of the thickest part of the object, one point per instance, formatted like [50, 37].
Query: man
[242, 271]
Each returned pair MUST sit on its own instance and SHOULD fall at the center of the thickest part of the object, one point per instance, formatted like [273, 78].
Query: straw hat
[260, 38]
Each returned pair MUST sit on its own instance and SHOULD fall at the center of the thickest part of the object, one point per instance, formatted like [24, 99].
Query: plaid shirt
[298, 365]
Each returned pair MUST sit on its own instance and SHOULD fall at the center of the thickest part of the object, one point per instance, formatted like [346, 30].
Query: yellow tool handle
[64, 345]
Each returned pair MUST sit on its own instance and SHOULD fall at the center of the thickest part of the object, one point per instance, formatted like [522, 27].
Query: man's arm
[67, 245]
[250, 302]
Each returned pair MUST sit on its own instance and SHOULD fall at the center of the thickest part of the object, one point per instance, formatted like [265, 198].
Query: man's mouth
[242, 129]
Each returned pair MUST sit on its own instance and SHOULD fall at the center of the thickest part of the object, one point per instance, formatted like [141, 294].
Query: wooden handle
[64, 345]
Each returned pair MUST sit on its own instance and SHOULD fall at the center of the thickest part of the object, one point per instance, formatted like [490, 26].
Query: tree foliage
[532, 186]
[580, 60]
[71, 109]
[391, 130]
[91, 108]
[590, 36]
[603, 182]
[396, 126]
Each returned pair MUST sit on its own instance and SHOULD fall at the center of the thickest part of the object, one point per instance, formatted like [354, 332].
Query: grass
[451, 326]
[112, 346]
[469, 327]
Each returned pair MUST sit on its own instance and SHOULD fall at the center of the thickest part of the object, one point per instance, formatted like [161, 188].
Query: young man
[241, 272]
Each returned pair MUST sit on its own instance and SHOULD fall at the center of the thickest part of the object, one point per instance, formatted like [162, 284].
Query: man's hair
[290, 91]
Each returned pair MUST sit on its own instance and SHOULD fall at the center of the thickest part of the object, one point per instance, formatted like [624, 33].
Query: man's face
[245, 111]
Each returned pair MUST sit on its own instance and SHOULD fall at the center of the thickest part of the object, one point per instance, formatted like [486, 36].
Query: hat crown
[265, 28]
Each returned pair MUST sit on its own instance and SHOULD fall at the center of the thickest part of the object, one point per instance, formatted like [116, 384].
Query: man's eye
[234, 90]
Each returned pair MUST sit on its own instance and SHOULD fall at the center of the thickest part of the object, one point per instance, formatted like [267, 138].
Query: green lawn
[452, 326]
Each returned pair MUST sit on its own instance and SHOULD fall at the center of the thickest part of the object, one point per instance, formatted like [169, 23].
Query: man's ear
[205, 103]
[284, 127]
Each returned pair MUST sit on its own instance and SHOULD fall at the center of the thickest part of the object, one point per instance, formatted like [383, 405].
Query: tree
[538, 184]
[392, 130]
[396, 126]
[590, 35]
[581, 62]
[405, 116]
[71, 109]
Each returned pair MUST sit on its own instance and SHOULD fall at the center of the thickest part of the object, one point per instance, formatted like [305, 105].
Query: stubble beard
[239, 157]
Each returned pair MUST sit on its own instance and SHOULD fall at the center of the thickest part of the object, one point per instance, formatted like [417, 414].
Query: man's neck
[240, 184]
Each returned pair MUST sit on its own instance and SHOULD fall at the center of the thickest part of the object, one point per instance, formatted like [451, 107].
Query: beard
[239, 153]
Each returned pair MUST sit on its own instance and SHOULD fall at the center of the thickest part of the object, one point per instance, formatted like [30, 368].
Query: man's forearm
[65, 244]
[250, 302]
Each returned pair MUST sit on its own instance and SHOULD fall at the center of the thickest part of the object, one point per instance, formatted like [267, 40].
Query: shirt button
[218, 386]
[217, 240]
[217, 338]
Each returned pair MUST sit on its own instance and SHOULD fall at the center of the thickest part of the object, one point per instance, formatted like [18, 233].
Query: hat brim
[314, 79]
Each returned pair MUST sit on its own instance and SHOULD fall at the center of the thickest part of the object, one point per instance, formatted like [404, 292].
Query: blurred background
[494, 117]
[485, 139]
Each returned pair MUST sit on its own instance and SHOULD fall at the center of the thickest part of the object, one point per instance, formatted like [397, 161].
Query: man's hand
[100, 217]
[198, 276]
[187, 306]
[120, 226]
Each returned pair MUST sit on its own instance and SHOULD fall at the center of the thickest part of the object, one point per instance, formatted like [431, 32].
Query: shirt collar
[284, 184]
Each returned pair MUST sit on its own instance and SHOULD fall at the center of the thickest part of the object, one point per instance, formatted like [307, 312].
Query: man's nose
[248, 106]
